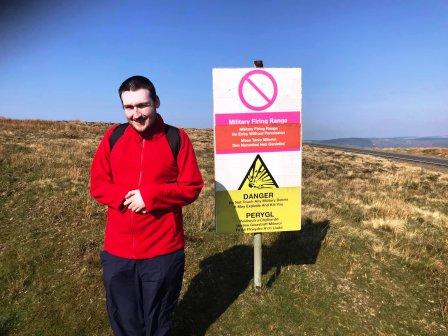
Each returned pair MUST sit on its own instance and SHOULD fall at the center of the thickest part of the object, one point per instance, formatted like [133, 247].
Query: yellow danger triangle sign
[258, 176]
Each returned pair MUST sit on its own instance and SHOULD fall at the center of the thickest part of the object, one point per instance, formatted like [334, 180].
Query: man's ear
[157, 102]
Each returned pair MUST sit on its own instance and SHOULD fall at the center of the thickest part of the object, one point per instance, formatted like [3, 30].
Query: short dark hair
[135, 83]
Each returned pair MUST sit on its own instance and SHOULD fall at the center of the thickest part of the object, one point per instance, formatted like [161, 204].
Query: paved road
[404, 157]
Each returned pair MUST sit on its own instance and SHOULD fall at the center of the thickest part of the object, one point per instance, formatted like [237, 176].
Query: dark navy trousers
[141, 294]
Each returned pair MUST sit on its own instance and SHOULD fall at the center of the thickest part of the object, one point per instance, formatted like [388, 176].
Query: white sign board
[257, 124]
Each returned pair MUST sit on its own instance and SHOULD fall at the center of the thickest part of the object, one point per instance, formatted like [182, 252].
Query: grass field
[371, 259]
[432, 151]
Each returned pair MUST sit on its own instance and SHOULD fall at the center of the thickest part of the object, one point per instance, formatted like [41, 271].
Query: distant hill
[351, 142]
[411, 142]
[436, 141]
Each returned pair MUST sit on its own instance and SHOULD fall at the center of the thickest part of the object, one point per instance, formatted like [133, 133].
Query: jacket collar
[157, 129]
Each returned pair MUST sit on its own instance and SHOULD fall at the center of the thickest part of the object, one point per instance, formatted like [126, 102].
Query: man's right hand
[134, 202]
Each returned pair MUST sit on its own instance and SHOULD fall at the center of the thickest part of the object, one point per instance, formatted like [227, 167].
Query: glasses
[140, 106]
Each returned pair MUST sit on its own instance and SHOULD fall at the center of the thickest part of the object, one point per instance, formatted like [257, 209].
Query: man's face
[139, 108]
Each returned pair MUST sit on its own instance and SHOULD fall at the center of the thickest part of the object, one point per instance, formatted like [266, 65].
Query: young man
[144, 171]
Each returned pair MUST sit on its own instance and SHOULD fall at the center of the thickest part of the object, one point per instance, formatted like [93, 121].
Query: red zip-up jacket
[144, 162]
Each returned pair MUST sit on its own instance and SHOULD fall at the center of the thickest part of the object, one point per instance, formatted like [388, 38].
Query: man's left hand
[134, 201]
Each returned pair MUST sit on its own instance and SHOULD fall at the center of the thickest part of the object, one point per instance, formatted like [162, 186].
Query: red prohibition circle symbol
[269, 100]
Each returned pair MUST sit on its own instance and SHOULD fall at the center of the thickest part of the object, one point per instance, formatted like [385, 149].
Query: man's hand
[134, 201]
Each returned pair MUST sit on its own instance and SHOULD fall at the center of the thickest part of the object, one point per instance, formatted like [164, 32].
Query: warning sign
[257, 117]
[258, 176]
[253, 211]
[249, 82]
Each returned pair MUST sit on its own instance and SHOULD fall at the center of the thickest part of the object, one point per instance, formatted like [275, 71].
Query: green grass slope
[371, 258]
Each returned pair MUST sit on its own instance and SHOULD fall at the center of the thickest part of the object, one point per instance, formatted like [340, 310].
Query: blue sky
[370, 68]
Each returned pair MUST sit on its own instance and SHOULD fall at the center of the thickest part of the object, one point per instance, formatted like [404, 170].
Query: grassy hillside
[372, 258]
[439, 152]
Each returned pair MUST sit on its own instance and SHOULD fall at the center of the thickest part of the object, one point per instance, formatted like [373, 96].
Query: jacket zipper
[141, 164]
[138, 186]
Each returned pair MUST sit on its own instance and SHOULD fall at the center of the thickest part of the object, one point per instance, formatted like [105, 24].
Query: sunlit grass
[441, 152]
[371, 258]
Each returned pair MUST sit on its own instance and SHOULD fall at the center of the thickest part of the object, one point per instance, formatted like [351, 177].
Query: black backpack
[171, 132]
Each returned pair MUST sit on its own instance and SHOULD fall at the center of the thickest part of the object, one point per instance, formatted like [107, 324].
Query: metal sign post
[257, 260]
[258, 241]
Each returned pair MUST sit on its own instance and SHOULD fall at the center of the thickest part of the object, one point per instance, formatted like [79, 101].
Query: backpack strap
[116, 134]
[172, 134]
